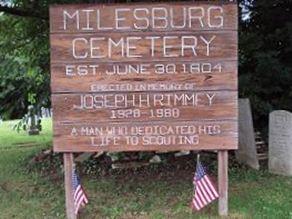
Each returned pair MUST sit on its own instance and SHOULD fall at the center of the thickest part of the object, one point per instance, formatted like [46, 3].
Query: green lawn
[27, 194]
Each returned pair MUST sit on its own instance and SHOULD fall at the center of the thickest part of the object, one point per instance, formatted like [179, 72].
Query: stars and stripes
[79, 195]
[205, 191]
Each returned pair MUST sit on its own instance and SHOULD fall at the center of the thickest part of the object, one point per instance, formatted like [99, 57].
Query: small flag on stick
[204, 192]
[79, 195]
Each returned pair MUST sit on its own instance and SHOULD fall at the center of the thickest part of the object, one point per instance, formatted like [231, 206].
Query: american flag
[79, 195]
[205, 191]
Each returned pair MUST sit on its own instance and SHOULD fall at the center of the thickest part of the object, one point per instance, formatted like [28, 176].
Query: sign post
[223, 182]
[68, 171]
[145, 77]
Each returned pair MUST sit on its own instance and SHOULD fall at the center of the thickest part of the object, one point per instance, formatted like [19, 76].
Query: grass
[24, 194]
[10, 139]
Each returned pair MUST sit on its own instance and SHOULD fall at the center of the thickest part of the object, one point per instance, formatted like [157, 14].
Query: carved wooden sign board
[141, 77]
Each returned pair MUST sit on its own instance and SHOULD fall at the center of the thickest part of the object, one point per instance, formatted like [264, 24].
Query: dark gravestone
[33, 122]
[246, 152]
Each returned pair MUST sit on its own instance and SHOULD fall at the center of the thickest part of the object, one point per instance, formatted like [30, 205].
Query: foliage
[265, 57]
[24, 58]
[23, 124]
[10, 138]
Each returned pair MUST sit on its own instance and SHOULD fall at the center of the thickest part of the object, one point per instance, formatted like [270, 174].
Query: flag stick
[198, 160]
[68, 171]
[223, 182]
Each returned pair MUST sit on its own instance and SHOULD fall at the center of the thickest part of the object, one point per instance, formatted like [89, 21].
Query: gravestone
[246, 152]
[43, 112]
[33, 122]
[280, 142]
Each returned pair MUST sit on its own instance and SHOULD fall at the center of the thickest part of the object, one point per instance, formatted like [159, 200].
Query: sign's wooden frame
[206, 102]
[222, 148]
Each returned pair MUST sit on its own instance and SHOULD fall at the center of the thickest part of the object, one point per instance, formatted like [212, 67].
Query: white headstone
[46, 113]
[246, 152]
[43, 112]
[280, 142]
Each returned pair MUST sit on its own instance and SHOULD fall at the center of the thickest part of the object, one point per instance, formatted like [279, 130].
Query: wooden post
[68, 169]
[223, 182]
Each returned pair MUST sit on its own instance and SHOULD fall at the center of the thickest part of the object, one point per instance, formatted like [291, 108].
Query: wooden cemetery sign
[145, 77]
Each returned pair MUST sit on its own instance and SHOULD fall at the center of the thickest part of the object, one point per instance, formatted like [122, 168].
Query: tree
[265, 57]
[24, 57]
